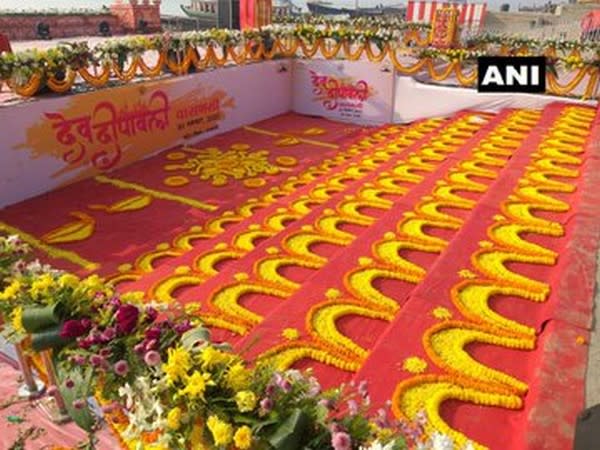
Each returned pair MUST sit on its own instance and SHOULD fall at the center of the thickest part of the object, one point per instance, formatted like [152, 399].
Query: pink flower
[52, 390]
[352, 407]
[325, 403]
[286, 386]
[335, 428]
[127, 317]
[109, 334]
[111, 407]
[78, 360]
[74, 328]
[69, 384]
[341, 441]
[78, 404]
[121, 368]
[97, 361]
[152, 358]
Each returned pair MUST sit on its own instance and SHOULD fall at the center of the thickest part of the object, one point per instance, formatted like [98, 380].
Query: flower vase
[53, 405]
[31, 387]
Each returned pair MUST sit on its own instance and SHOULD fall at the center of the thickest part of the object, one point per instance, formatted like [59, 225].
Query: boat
[205, 11]
[325, 8]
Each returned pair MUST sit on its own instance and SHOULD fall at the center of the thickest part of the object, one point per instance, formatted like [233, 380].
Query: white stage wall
[53, 141]
[414, 100]
[349, 91]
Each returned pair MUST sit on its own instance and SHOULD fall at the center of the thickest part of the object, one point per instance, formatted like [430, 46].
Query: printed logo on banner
[511, 74]
[341, 94]
[98, 135]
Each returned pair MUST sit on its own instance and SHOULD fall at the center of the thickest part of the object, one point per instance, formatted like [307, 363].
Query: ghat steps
[446, 262]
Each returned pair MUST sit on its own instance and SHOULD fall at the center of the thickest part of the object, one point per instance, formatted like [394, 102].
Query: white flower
[379, 446]
[440, 441]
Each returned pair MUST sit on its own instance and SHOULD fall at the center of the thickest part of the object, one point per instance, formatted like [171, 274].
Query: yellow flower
[11, 290]
[178, 363]
[442, 313]
[466, 273]
[243, 438]
[332, 293]
[221, 431]
[211, 356]
[191, 308]
[291, 334]
[246, 401]
[196, 385]
[93, 283]
[133, 297]
[17, 320]
[414, 364]
[41, 286]
[237, 377]
[174, 418]
[68, 280]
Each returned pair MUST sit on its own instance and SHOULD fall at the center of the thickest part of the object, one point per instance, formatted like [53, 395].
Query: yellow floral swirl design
[462, 377]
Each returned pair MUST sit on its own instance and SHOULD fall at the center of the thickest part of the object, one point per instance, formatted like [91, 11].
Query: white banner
[51, 142]
[350, 91]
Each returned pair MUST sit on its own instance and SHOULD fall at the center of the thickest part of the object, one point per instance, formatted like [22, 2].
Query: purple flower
[266, 404]
[115, 301]
[69, 384]
[352, 407]
[362, 388]
[182, 327]
[151, 314]
[121, 368]
[152, 358]
[74, 328]
[270, 390]
[341, 441]
[127, 317]
[382, 421]
[153, 333]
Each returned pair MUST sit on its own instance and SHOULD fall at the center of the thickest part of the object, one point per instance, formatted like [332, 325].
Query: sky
[172, 6]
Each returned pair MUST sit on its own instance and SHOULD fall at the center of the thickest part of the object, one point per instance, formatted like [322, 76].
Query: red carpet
[449, 262]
